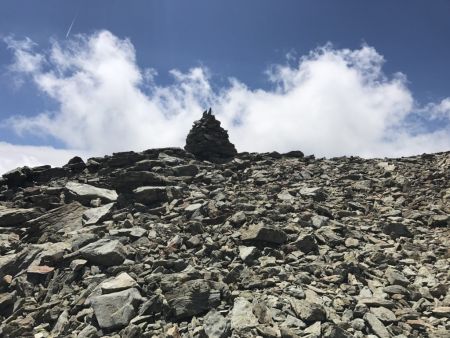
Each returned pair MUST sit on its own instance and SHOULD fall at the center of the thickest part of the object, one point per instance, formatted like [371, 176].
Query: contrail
[71, 25]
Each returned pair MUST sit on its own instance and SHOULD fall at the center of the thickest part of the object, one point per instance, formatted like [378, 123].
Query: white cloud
[331, 102]
[13, 156]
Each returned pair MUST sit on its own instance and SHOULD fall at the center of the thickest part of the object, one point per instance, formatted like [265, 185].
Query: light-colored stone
[121, 282]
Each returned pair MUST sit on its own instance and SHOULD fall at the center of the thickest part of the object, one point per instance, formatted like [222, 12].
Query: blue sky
[231, 39]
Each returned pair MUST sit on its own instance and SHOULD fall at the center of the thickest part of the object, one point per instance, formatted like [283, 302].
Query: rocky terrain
[162, 243]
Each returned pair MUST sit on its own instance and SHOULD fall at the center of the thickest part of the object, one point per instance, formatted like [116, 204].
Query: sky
[330, 78]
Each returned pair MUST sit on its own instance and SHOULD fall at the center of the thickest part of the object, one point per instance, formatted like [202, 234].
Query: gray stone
[84, 193]
[121, 282]
[439, 221]
[16, 216]
[333, 331]
[193, 297]
[383, 314]
[263, 233]
[88, 332]
[317, 193]
[185, 170]
[376, 326]
[396, 230]
[238, 218]
[115, 310]
[395, 277]
[57, 224]
[306, 243]
[247, 253]
[127, 181]
[150, 195]
[241, 316]
[216, 325]
[307, 311]
[97, 215]
[104, 252]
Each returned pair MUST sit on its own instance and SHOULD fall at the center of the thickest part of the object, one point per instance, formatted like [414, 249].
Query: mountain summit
[161, 244]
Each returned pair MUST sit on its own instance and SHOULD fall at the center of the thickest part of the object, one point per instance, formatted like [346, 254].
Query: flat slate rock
[104, 252]
[16, 216]
[193, 297]
[264, 233]
[115, 310]
[84, 193]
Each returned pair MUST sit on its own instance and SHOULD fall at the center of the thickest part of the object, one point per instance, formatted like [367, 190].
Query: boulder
[16, 216]
[264, 233]
[115, 310]
[193, 297]
[84, 193]
[104, 252]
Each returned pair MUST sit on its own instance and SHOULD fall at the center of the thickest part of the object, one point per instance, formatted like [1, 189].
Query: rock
[104, 252]
[294, 154]
[247, 253]
[16, 216]
[7, 301]
[150, 195]
[264, 233]
[39, 270]
[17, 177]
[317, 193]
[61, 323]
[442, 311]
[376, 326]
[238, 218]
[215, 325]
[185, 170]
[307, 311]
[88, 332]
[207, 140]
[119, 283]
[396, 230]
[173, 332]
[97, 215]
[129, 180]
[192, 298]
[334, 331]
[241, 317]
[115, 310]
[383, 314]
[439, 220]
[306, 243]
[57, 224]
[75, 164]
[77, 264]
[285, 196]
[84, 193]
[395, 277]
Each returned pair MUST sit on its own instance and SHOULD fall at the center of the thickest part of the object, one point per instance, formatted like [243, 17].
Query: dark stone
[396, 230]
[17, 177]
[294, 154]
[75, 164]
[208, 141]
[193, 297]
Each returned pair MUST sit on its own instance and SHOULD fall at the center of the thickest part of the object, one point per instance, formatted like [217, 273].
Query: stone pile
[208, 141]
[161, 244]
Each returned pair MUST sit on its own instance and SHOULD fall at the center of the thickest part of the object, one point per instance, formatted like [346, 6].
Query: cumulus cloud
[330, 102]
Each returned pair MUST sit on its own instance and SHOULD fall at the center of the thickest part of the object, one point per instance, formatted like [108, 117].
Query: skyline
[344, 86]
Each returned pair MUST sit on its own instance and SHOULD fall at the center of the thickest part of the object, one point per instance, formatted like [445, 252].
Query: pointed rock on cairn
[208, 141]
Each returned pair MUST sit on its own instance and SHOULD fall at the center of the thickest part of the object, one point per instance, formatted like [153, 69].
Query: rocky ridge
[161, 244]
